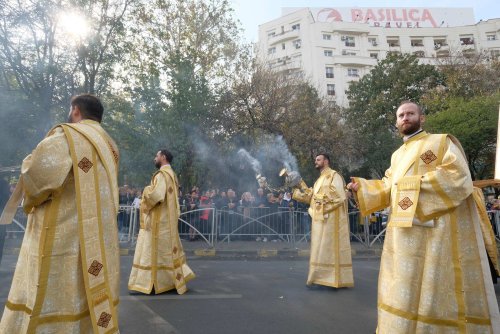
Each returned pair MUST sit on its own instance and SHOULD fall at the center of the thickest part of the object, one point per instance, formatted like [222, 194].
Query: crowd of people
[198, 204]
[272, 208]
[250, 205]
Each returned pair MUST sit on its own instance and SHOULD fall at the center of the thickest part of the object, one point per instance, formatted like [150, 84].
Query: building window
[328, 53]
[282, 46]
[329, 72]
[348, 40]
[373, 41]
[393, 41]
[491, 37]
[271, 34]
[297, 43]
[466, 40]
[419, 54]
[439, 43]
[374, 55]
[417, 42]
[327, 37]
[296, 26]
[271, 50]
[352, 72]
[330, 89]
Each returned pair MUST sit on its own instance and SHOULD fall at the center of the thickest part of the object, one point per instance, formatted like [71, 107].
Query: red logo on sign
[329, 15]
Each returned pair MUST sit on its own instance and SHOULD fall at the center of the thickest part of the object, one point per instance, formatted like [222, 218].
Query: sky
[251, 13]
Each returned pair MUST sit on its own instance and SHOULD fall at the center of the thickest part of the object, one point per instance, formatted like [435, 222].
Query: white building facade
[333, 47]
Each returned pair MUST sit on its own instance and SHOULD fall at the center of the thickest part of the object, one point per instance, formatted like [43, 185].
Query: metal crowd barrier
[250, 223]
[198, 224]
[211, 225]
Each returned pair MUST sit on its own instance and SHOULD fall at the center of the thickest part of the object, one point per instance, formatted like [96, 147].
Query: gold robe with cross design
[434, 274]
[159, 259]
[67, 275]
[330, 263]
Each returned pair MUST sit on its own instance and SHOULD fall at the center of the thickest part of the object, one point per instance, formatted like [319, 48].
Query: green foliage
[18, 130]
[374, 99]
[466, 105]
[136, 147]
[474, 123]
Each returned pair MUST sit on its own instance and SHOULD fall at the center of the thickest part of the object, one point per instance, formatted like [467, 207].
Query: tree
[30, 57]
[466, 105]
[375, 97]
[466, 76]
[373, 101]
[137, 146]
[205, 32]
[185, 56]
[474, 123]
[269, 105]
[102, 49]
[44, 60]
[18, 130]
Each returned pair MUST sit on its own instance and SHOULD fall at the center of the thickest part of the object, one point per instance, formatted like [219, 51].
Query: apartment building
[333, 47]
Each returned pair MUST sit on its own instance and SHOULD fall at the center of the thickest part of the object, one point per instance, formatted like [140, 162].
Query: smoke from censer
[245, 156]
[237, 168]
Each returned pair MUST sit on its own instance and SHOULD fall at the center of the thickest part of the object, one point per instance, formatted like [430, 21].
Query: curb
[205, 252]
[212, 253]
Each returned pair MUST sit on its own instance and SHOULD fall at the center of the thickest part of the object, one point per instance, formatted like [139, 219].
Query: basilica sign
[395, 17]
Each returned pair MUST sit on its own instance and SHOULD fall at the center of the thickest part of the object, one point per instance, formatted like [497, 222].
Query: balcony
[289, 34]
[442, 54]
[287, 64]
[354, 60]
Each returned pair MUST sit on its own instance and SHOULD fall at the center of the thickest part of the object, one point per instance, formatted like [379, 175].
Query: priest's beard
[409, 128]
[157, 164]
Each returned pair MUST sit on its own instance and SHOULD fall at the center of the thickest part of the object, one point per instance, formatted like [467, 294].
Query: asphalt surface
[246, 296]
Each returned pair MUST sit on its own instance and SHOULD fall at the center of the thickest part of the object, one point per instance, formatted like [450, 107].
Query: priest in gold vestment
[67, 275]
[159, 259]
[434, 275]
[330, 263]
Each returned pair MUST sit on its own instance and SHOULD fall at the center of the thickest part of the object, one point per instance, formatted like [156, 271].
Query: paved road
[238, 296]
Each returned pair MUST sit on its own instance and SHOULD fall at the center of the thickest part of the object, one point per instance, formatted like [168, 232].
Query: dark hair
[166, 153]
[420, 109]
[90, 106]
[326, 156]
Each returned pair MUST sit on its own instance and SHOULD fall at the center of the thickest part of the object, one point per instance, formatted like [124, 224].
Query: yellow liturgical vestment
[159, 259]
[330, 263]
[67, 275]
[434, 275]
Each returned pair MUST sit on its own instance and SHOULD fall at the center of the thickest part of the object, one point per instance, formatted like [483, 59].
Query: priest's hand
[354, 186]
